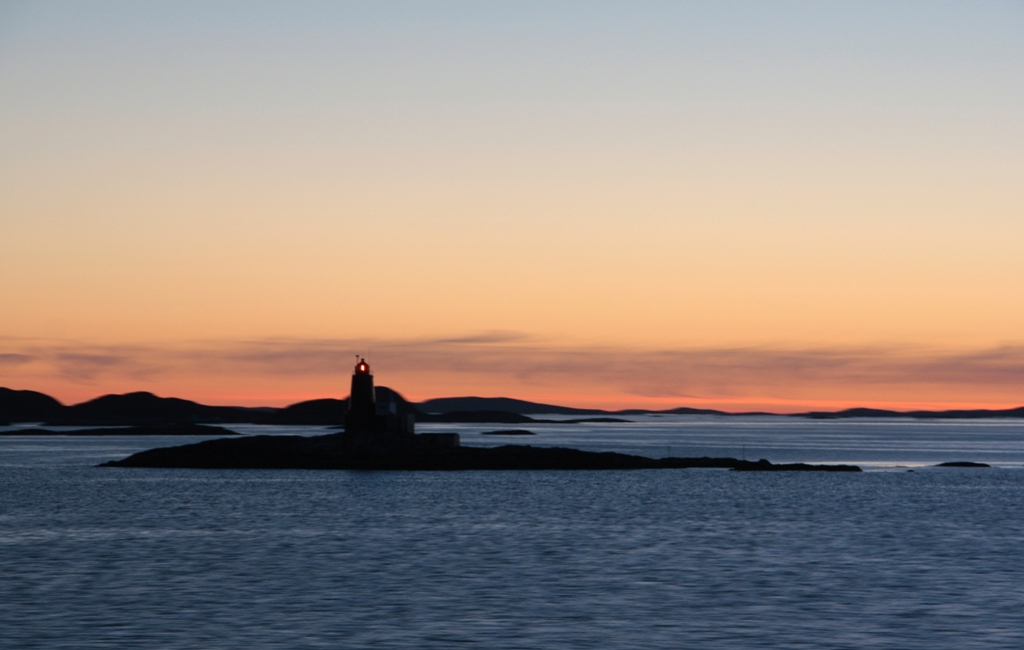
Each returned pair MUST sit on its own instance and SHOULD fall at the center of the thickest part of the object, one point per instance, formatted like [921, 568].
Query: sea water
[889, 558]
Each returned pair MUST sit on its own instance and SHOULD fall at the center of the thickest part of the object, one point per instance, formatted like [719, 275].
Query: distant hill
[27, 406]
[682, 410]
[968, 414]
[920, 415]
[494, 404]
[317, 411]
[144, 408]
[522, 407]
[332, 411]
[850, 413]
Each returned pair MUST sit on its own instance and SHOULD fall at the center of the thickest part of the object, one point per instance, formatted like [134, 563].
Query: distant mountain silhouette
[920, 415]
[27, 406]
[317, 411]
[849, 413]
[144, 408]
[523, 407]
[495, 404]
[968, 414]
[682, 410]
[332, 411]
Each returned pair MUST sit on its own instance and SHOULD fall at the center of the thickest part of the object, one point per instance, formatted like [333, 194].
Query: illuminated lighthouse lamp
[385, 420]
[367, 415]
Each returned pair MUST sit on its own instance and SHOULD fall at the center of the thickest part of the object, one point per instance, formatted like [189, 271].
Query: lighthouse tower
[362, 401]
[367, 415]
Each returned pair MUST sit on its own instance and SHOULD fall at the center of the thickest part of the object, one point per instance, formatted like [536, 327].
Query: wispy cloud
[15, 359]
[483, 338]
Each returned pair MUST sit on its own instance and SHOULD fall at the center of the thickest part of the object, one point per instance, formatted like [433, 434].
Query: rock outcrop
[341, 451]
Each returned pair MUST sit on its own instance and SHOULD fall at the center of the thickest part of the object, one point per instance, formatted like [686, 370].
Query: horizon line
[902, 408]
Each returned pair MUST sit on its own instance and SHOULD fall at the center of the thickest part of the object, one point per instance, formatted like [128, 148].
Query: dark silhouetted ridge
[146, 408]
[956, 414]
[685, 410]
[317, 411]
[143, 408]
[499, 404]
[447, 405]
[850, 413]
[27, 406]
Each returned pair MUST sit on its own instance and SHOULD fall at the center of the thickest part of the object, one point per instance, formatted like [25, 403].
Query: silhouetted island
[357, 452]
[953, 414]
[380, 436]
[962, 463]
[508, 432]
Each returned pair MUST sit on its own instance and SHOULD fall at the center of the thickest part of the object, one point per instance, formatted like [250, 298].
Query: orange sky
[780, 208]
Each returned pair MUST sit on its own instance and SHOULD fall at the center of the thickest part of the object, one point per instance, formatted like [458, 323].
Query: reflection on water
[99, 558]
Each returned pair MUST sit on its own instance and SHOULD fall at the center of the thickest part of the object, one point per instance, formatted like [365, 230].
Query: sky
[739, 205]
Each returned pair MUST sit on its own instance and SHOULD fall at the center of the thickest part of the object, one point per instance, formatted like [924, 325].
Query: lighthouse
[362, 401]
[367, 415]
